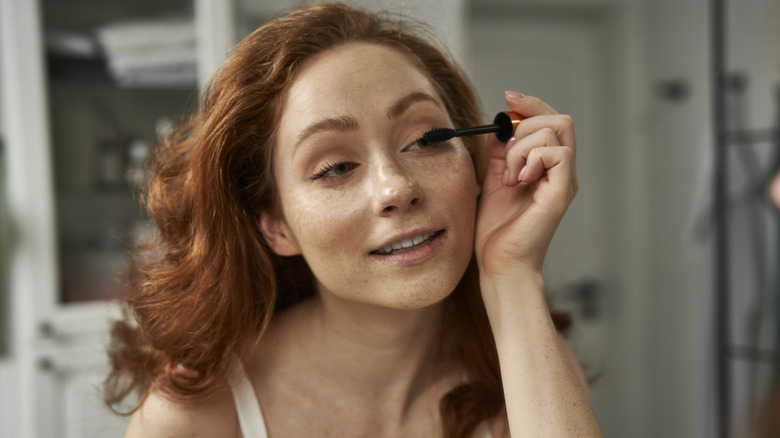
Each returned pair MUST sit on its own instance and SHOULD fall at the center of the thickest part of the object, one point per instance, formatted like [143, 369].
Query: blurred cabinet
[68, 381]
[88, 88]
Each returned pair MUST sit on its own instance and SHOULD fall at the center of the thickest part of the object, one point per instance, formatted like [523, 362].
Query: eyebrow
[407, 101]
[340, 124]
[350, 124]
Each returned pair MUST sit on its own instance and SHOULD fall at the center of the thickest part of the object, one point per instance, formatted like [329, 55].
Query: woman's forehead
[361, 74]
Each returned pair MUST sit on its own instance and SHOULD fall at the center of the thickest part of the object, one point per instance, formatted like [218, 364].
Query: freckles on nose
[393, 182]
[395, 190]
[390, 175]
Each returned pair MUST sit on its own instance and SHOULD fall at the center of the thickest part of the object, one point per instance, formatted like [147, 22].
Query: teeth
[405, 243]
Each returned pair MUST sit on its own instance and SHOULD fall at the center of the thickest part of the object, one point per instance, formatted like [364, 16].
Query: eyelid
[320, 156]
[420, 137]
[322, 171]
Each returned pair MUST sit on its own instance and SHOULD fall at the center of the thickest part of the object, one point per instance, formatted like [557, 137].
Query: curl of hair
[209, 282]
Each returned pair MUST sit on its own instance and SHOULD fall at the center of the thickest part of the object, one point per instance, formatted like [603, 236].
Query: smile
[407, 244]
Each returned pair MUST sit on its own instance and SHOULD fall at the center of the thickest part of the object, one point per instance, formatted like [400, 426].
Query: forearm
[544, 395]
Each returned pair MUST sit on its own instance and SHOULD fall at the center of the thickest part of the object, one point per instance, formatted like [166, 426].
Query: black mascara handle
[503, 126]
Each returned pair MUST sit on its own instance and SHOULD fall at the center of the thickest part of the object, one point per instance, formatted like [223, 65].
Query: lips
[407, 243]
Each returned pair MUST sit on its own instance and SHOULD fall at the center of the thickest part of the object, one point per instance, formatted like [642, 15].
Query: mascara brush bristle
[437, 136]
[503, 126]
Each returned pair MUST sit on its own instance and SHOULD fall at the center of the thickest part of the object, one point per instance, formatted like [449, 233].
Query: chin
[421, 301]
[424, 294]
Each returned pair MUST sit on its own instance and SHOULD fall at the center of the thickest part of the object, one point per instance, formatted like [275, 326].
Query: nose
[394, 189]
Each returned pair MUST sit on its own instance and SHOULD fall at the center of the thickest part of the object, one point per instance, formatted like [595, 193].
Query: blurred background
[667, 259]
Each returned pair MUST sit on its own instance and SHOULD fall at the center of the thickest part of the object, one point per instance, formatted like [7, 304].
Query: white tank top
[250, 417]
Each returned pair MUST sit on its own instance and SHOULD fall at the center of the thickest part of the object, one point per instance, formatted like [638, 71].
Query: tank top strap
[482, 431]
[250, 417]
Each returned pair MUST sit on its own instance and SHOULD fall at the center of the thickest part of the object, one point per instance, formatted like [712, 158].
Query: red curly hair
[209, 282]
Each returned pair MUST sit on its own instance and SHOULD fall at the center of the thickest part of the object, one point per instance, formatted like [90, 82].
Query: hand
[516, 222]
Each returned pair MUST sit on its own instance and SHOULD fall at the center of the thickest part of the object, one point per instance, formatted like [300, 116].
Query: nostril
[391, 208]
[396, 191]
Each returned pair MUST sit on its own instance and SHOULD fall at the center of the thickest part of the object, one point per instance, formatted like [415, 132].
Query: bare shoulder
[162, 417]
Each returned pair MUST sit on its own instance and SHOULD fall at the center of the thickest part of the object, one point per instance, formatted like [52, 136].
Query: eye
[420, 144]
[334, 171]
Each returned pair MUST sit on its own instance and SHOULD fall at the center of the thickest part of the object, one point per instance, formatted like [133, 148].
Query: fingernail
[505, 179]
[509, 143]
[522, 173]
[514, 95]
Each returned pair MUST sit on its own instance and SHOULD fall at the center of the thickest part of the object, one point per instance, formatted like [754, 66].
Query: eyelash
[328, 166]
[429, 145]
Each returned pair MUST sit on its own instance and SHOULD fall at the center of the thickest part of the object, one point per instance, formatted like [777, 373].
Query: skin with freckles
[353, 180]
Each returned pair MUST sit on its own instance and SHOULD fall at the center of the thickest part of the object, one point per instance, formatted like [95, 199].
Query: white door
[565, 59]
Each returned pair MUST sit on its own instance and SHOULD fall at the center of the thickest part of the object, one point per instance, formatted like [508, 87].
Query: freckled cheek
[323, 223]
[326, 229]
[452, 178]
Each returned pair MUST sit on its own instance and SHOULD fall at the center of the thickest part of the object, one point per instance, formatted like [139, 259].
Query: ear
[278, 235]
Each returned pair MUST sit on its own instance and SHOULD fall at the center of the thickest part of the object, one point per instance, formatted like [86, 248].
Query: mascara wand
[503, 126]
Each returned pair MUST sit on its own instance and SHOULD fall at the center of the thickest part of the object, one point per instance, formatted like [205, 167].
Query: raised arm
[545, 393]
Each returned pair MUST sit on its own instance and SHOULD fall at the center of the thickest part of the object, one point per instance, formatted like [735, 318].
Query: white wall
[675, 345]
[7, 409]
[4, 330]
[6, 364]
[572, 55]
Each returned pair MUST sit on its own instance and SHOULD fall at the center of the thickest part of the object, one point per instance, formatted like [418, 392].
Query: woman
[321, 272]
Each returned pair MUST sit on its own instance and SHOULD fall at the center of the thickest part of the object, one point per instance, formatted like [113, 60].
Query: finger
[496, 161]
[562, 124]
[527, 106]
[553, 164]
[520, 149]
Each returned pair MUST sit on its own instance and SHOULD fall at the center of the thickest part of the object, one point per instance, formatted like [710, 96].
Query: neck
[376, 355]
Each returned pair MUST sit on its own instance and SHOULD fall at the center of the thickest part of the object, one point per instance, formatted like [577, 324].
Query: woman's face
[379, 218]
